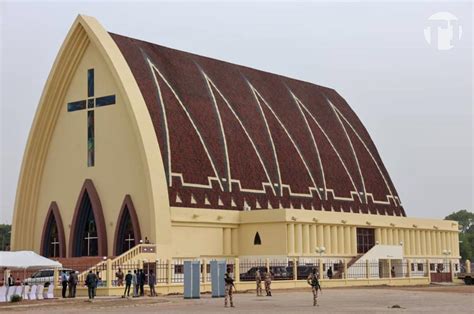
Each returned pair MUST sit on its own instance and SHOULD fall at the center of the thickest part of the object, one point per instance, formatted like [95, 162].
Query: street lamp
[320, 250]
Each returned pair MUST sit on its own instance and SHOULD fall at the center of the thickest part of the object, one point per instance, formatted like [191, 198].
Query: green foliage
[466, 235]
[16, 298]
[5, 233]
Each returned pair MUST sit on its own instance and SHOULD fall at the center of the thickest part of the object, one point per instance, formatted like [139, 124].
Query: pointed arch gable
[127, 205]
[89, 189]
[56, 215]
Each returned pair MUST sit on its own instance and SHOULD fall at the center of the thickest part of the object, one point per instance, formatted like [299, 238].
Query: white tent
[26, 260]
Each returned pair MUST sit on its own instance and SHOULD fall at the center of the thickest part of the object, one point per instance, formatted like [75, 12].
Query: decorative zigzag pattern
[237, 138]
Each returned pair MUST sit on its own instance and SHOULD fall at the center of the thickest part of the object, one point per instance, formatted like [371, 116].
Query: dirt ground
[433, 299]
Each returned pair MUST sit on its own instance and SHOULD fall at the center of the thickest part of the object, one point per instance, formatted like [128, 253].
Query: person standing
[329, 272]
[151, 283]
[258, 281]
[229, 285]
[91, 283]
[11, 281]
[70, 284]
[119, 274]
[128, 283]
[267, 279]
[64, 281]
[135, 283]
[142, 282]
[313, 281]
[392, 272]
[74, 282]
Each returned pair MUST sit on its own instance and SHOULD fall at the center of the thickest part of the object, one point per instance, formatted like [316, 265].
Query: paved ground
[433, 299]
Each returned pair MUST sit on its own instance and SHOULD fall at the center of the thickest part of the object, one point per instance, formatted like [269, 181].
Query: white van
[44, 276]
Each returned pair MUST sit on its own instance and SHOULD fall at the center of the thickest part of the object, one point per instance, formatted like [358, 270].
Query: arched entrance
[127, 231]
[88, 233]
[53, 242]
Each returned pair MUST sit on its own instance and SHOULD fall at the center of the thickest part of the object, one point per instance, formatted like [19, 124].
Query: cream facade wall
[296, 233]
[118, 167]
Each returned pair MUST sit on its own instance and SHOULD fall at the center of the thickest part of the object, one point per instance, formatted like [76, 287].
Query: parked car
[44, 276]
[302, 271]
[278, 273]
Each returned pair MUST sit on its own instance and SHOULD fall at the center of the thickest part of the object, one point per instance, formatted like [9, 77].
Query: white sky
[415, 101]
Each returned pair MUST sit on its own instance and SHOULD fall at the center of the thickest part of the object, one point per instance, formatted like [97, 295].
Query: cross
[90, 103]
[89, 238]
[54, 243]
[129, 240]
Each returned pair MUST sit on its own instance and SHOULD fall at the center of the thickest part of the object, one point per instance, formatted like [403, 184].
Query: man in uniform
[258, 281]
[229, 285]
[267, 279]
[314, 283]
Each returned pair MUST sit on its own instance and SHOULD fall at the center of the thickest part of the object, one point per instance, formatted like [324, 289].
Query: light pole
[446, 253]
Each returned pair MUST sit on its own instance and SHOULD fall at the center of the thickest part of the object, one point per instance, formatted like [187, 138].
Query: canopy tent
[26, 260]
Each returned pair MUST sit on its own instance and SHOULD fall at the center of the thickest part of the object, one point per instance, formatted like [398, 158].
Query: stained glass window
[90, 83]
[90, 139]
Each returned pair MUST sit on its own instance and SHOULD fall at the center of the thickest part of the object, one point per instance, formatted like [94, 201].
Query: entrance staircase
[128, 259]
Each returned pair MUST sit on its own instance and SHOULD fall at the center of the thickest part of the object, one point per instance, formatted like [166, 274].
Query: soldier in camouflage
[267, 279]
[229, 286]
[313, 281]
[258, 281]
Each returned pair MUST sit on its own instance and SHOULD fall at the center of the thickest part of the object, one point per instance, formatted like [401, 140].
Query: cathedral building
[204, 158]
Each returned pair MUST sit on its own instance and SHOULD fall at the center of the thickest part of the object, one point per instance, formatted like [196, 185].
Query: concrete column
[390, 268]
[438, 243]
[378, 235]
[312, 238]
[354, 241]
[428, 243]
[434, 243]
[408, 267]
[295, 269]
[396, 238]
[384, 236]
[406, 242]
[298, 239]
[468, 266]
[306, 239]
[235, 241]
[367, 268]
[401, 236]
[427, 272]
[412, 242]
[109, 273]
[390, 236]
[340, 240]
[227, 241]
[456, 244]
[345, 269]
[451, 269]
[267, 263]
[236, 270]
[204, 270]
[290, 238]
[169, 272]
[334, 248]
[320, 236]
[417, 242]
[347, 240]
[327, 239]
[423, 242]
[320, 268]
[443, 241]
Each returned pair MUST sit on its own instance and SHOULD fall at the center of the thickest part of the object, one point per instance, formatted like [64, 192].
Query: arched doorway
[127, 231]
[53, 242]
[88, 233]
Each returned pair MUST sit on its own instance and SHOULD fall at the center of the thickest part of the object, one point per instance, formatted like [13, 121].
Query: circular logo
[443, 30]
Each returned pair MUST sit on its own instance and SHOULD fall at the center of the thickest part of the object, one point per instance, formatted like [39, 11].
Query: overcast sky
[415, 100]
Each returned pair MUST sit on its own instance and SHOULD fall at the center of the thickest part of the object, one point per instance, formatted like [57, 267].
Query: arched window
[52, 241]
[257, 240]
[88, 234]
[127, 232]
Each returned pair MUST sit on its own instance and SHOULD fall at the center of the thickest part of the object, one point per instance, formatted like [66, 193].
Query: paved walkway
[433, 299]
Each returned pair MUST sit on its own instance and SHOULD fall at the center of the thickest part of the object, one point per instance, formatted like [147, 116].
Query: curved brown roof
[233, 137]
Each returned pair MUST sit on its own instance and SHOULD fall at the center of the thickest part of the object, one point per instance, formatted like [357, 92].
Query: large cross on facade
[90, 103]
[89, 238]
[130, 240]
[55, 245]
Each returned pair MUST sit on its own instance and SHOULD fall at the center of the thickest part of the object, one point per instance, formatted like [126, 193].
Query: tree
[466, 235]
[5, 232]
